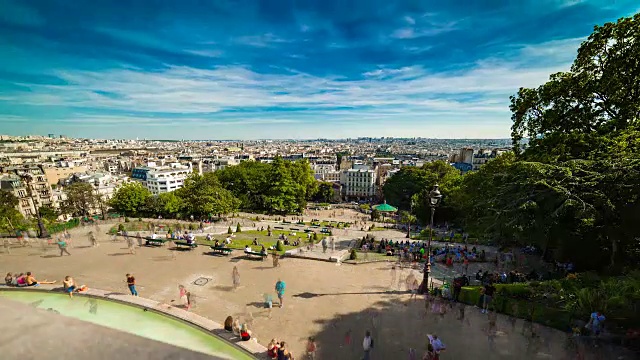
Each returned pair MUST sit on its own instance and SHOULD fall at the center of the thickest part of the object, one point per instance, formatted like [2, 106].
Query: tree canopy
[130, 198]
[203, 195]
[583, 113]
[10, 217]
[80, 199]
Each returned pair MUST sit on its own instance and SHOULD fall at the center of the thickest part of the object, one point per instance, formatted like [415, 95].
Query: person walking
[62, 245]
[130, 244]
[367, 345]
[131, 283]
[280, 287]
[235, 275]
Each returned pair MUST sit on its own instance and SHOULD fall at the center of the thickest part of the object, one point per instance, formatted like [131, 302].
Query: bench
[308, 230]
[325, 231]
[278, 227]
[221, 250]
[155, 242]
[181, 244]
[253, 253]
[294, 229]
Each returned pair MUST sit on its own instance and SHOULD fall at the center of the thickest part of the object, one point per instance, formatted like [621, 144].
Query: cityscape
[320, 180]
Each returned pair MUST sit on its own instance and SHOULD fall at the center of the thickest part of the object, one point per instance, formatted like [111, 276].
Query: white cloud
[201, 97]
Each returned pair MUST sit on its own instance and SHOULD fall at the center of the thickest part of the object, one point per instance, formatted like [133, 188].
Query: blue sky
[239, 69]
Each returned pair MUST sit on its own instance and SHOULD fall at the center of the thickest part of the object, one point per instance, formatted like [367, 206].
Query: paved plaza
[323, 299]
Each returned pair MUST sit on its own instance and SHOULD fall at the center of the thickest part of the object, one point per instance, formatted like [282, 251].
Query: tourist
[596, 323]
[62, 245]
[69, 285]
[437, 344]
[31, 281]
[283, 352]
[414, 288]
[131, 283]
[93, 240]
[245, 333]
[236, 327]
[247, 249]
[367, 345]
[183, 295]
[263, 250]
[280, 287]
[311, 348]
[130, 244]
[235, 275]
[228, 324]
[430, 354]
[487, 296]
[324, 245]
[8, 280]
[21, 280]
[275, 257]
[272, 349]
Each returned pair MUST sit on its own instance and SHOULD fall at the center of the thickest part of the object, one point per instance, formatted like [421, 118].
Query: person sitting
[21, 280]
[255, 241]
[245, 333]
[31, 281]
[216, 244]
[263, 250]
[228, 324]
[235, 328]
[8, 280]
[283, 353]
[154, 236]
[286, 242]
[247, 249]
[272, 349]
[209, 237]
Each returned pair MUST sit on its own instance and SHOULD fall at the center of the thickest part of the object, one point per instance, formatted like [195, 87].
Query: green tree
[248, 182]
[130, 198]
[282, 194]
[238, 229]
[203, 195]
[10, 217]
[579, 114]
[49, 214]
[171, 204]
[81, 199]
[325, 193]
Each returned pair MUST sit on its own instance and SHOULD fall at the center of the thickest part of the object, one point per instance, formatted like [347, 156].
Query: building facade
[29, 184]
[161, 179]
[359, 184]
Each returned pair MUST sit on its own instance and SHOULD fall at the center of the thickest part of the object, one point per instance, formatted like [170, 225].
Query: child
[311, 348]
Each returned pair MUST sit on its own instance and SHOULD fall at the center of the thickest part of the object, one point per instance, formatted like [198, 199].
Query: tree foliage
[203, 195]
[582, 113]
[130, 199]
[409, 188]
[80, 199]
[10, 217]
[325, 193]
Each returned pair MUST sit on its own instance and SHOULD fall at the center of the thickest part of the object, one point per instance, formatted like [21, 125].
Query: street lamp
[434, 200]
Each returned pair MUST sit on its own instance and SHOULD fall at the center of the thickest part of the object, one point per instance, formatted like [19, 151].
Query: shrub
[279, 246]
[238, 229]
[139, 219]
[120, 227]
[192, 226]
[126, 219]
[229, 231]
[353, 255]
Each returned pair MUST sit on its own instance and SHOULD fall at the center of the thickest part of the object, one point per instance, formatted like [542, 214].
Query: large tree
[130, 198]
[10, 217]
[411, 186]
[581, 113]
[203, 195]
[80, 199]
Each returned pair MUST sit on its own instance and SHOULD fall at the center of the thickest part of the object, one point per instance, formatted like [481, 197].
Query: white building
[161, 179]
[359, 183]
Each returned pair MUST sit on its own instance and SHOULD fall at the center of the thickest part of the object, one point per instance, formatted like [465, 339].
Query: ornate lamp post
[434, 201]
[42, 230]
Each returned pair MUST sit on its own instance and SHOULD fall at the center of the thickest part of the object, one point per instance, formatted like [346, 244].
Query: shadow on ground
[402, 324]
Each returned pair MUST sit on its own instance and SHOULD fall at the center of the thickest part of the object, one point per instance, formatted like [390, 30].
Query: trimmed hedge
[56, 228]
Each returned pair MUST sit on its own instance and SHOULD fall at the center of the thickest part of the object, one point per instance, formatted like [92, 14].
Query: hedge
[59, 227]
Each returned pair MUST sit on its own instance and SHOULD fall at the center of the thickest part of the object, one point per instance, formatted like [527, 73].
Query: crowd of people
[24, 279]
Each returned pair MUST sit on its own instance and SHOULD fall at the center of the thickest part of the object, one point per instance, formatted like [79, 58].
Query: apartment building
[161, 179]
[359, 184]
[29, 184]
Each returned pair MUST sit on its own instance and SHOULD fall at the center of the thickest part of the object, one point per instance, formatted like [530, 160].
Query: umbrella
[385, 208]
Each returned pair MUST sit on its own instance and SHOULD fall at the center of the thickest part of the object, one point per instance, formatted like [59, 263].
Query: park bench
[325, 231]
[253, 253]
[294, 229]
[155, 242]
[221, 250]
[308, 230]
[278, 227]
[286, 222]
[181, 244]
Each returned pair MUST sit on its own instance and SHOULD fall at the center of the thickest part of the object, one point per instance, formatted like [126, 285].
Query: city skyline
[271, 70]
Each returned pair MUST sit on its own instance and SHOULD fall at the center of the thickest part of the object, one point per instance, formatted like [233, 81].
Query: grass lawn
[325, 223]
[246, 238]
[131, 226]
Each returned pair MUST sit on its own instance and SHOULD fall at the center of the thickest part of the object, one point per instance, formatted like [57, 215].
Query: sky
[282, 69]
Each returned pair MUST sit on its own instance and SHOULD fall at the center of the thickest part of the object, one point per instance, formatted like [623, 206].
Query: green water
[130, 319]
